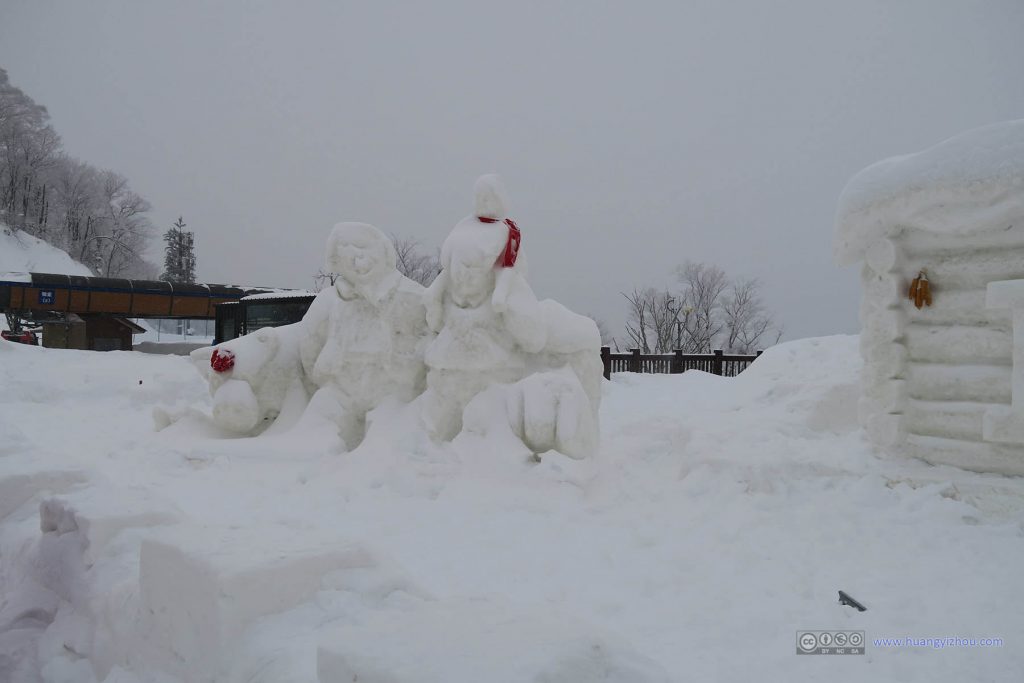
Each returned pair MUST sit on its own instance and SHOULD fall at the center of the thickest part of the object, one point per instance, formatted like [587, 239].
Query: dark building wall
[108, 334]
[99, 333]
[65, 335]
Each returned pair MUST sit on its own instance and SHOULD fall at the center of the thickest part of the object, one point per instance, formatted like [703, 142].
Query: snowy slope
[20, 252]
[720, 517]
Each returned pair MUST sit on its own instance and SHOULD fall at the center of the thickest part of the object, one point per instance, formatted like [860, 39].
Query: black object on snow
[845, 599]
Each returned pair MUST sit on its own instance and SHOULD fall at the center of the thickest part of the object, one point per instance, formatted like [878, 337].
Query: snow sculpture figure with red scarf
[535, 362]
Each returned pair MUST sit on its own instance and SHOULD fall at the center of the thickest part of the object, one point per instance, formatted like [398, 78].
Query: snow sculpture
[368, 345]
[491, 330]
[359, 343]
[501, 357]
[250, 378]
[941, 236]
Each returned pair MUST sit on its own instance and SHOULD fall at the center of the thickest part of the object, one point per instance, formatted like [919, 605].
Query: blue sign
[46, 296]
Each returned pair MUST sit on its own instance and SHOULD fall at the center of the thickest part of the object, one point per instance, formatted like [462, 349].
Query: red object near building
[20, 337]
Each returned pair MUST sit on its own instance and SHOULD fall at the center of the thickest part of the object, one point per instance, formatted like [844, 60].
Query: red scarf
[507, 258]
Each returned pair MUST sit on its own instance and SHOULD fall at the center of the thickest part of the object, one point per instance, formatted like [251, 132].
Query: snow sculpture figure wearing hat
[494, 337]
[359, 343]
[365, 341]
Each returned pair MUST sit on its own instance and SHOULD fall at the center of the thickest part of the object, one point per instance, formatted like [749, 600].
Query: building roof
[281, 294]
[135, 328]
[968, 184]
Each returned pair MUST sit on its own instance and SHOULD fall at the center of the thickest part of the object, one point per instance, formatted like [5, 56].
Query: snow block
[474, 640]
[18, 489]
[200, 588]
[98, 514]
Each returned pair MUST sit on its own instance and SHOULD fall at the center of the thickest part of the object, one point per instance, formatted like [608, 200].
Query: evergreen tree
[179, 254]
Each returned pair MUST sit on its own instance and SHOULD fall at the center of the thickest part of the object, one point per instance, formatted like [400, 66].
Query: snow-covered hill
[719, 519]
[21, 252]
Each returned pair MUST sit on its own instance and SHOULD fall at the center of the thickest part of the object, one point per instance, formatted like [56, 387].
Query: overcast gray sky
[632, 136]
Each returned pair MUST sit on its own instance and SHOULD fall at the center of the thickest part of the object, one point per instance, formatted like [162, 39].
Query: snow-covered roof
[15, 277]
[282, 294]
[967, 184]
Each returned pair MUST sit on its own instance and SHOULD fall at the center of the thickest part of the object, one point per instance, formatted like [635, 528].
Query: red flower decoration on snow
[222, 360]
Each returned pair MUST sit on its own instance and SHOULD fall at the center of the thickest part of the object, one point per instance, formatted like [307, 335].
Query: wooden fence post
[634, 362]
[606, 361]
[716, 365]
[677, 362]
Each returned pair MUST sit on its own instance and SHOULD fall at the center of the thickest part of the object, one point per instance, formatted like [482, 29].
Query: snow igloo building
[943, 375]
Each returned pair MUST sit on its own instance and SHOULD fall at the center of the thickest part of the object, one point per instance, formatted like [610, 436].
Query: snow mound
[718, 513]
[969, 183]
[202, 586]
[23, 253]
[99, 513]
[478, 640]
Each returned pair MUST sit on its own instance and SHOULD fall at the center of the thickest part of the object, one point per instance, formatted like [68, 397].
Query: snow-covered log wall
[938, 380]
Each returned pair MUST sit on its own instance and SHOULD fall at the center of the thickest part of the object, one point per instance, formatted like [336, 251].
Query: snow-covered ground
[197, 335]
[720, 518]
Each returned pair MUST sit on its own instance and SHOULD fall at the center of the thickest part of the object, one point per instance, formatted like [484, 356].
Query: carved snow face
[472, 281]
[359, 258]
[360, 253]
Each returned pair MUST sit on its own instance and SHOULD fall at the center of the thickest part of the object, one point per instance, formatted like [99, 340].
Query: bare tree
[707, 312]
[28, 146]
[323, 279]
[74, 184]
[638, 327]
[657, 322]
[747, 324]
[413, 263]
[123, 223]
[703, 287]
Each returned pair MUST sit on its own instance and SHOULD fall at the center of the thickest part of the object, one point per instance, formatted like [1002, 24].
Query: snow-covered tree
[28, 147]
[90, 213]
[179, 254]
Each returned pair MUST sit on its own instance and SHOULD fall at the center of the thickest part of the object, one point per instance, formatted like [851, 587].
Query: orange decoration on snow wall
[920, 290]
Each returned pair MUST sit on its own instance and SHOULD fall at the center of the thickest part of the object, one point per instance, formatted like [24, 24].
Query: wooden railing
[717, 363]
